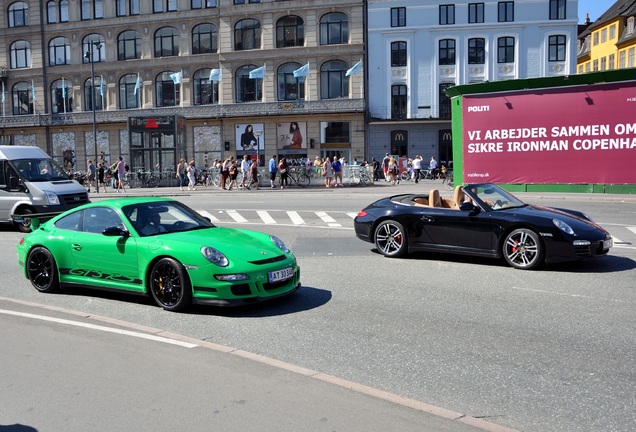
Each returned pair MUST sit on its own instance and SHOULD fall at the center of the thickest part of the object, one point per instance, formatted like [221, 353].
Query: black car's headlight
[214, 256]
[563, 226]
[278, 242]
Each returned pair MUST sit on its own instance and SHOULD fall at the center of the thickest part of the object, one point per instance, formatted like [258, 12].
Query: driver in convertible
[149, 221]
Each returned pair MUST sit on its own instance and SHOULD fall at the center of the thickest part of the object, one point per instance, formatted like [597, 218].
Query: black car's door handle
[428, 218]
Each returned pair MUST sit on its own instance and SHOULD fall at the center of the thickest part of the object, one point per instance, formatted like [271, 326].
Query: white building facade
[416, 49]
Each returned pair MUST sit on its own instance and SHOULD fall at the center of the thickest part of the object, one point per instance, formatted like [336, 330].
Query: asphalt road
[546, 350]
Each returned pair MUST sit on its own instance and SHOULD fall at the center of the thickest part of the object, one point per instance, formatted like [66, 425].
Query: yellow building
[610, 42]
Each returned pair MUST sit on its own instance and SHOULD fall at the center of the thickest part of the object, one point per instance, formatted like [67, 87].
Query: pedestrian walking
[100, 177]
[253, 175]
[327, 171]
[282, 170]
[273, 169]
[181, 173]
[192, 172]
[121, 172]
[91, 175]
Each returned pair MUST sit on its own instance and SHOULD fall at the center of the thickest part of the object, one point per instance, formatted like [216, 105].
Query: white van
[32, 182]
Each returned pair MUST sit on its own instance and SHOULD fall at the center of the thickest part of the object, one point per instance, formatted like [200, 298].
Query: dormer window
[630, 25]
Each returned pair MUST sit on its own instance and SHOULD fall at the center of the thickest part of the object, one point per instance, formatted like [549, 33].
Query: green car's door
[104, 261]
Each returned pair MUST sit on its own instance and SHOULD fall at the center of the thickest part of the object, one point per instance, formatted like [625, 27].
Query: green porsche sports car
[157, 247]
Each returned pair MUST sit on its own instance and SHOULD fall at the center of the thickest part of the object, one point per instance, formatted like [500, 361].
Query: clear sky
[595, 8]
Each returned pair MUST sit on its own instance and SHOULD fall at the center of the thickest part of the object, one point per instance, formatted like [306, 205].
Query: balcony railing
[253, 109]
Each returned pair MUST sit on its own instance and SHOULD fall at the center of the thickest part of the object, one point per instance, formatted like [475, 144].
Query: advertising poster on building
[575, 135]
[248, 135]
[291, 136]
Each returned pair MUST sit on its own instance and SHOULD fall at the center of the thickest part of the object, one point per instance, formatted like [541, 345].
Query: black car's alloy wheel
[522, 249]
[42, 270]
[390, 239]
[169, 285]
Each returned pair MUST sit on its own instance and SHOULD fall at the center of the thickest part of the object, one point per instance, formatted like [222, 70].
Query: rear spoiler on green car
[36, 219]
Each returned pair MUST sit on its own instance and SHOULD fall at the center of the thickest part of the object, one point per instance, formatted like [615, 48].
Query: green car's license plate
[279, 275]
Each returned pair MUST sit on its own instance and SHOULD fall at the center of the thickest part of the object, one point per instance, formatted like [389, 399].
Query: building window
[289, 86]
[59, 51]
[92, 94]
[166, 42]
[475, 13]
[557, 9]
[206, 92]
[128, 45]
[20, 55]
[334, 29]
[167, 93]
[604, 35]
[85, 9]
[505, 50]
[248, 89]
[630, 25]
[200, 4]
[612, 34]
[603, 63]
[159, 6]
[247, 35]
[333, 80]
[98, 9]
[622, 59]
[630, 58]
[96, 42]
[476, 51]
[242, 2]
[51, 12]
[611, 60]
[506, 11]
[581, 69]
[398, 17]
[556, 48]
[335, 132]
[22, 99]
[444, 101]
[290, 32]
[595, 38]
[446, 14]
[127, 97]
[204, 39]
[447, 52]
[595, 65]
[398, 54]
[64, 11]
[398, 102]
[587, 66]
[61, 96]
[18, 14]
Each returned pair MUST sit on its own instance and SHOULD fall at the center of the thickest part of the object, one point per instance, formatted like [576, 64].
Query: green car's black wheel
[523, 249]
[42, 270]
[390, 239]
[169, 285]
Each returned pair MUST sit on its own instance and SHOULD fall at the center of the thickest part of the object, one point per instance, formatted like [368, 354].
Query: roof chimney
[587, 18]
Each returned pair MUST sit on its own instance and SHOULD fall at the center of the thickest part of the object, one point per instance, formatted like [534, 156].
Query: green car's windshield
[161, 217]
[40, 170]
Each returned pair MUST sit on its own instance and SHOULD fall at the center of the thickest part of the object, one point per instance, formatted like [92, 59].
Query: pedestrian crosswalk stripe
[208, 215]
[236, 216]
[632, 229]
[295, 218]
[265, 217]
[328, 219]
[352, 215]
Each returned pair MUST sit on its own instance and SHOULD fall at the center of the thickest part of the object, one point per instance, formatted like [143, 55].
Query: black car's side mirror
[115, 232]
[469, 207]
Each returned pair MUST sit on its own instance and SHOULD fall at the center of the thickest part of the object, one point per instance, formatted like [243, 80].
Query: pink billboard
[580, 135]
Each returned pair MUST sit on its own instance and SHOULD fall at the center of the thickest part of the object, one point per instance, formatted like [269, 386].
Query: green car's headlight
[214, 256]
[563, 226]
[278, 242]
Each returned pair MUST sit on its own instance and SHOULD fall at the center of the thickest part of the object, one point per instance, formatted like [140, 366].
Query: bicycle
[213, 178]
[142, 179]
[447, 181]
[359, 177]
[298, 175]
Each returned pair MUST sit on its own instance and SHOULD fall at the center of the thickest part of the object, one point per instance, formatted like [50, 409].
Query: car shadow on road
[306, 298]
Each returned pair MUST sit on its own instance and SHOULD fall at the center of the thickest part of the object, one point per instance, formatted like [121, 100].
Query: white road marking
[295, 218]
[236, 216]
[100, 328]
[352, 215]
[266, 217]
[207, 215]
[328, 219]
[632, 229]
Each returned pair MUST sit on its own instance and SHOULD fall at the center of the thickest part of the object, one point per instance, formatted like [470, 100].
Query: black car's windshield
[494, 197]
[40, 170]
[161, 217]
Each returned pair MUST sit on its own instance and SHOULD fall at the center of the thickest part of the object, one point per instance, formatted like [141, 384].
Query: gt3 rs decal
[96, 274]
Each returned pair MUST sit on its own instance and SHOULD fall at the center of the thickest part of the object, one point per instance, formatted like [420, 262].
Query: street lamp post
[257, 134]
[89, 55]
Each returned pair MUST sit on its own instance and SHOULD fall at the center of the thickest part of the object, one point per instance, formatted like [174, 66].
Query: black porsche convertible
[481, 219]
